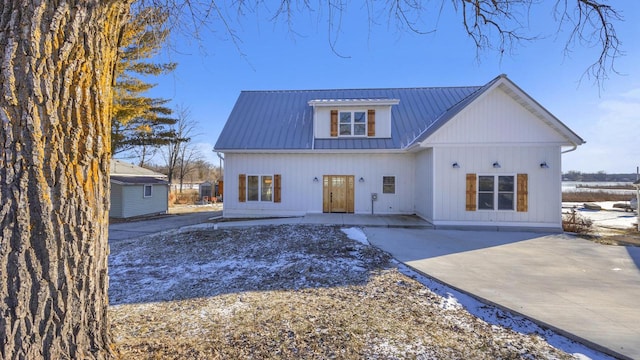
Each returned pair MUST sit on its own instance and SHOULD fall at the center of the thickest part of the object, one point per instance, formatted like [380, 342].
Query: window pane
[485, 201]
[267, 188]
[345, 129]
[359, 117]
[252, 188]
[388, 184]
[505, 201]
[505, 183]
[359, 129]
[345, 117]
[485, 183]
[147, 190]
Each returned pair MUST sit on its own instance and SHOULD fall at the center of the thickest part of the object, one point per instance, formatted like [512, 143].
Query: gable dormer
[352, 118]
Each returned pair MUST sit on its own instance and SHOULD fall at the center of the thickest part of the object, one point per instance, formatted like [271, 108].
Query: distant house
[136, 191]
[479, 156]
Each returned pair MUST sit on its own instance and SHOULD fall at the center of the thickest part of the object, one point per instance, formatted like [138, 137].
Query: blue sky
[212, 72]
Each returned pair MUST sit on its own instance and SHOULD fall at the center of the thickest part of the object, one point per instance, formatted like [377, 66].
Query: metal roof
[138, 180]
[283, 120]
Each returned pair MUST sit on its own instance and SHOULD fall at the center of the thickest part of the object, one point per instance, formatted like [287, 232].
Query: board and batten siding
[300, 194]
[424, 184]
[322, 120]
[544, 185]
[496, 128]
[495, 118]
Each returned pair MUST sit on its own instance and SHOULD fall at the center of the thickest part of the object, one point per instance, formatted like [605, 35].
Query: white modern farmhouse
[456, 156]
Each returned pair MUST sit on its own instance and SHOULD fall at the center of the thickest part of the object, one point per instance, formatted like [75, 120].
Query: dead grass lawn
[364, 309]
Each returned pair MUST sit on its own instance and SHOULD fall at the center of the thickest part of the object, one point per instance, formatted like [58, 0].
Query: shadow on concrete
[415, 244]
[634, 254]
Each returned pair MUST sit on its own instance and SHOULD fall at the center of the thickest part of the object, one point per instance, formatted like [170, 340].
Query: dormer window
[353, 123]
[352, 118]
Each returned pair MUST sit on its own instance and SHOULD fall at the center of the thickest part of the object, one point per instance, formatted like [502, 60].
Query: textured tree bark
[56, 70]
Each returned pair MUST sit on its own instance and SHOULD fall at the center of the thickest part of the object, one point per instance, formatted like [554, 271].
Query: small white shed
[136, 191]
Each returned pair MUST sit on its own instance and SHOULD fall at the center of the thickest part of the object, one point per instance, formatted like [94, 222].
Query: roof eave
[540, 111]
[352, 102]
[519, 95]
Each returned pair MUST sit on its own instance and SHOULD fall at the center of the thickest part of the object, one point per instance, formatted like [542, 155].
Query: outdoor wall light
[496, 165]
[543, 165]
[315, 179]
[361, 179]
[455, 165]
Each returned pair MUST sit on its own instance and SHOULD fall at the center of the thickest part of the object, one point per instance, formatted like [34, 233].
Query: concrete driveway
[587, 291]
[127, 230]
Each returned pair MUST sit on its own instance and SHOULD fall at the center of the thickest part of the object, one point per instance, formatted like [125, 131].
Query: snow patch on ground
[496, 316]
[356, 234]
[179, 264]
[186, 264]
[608, 217]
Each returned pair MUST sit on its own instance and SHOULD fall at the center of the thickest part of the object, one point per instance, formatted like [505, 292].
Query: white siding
[300, 194]
[135, 204]
[544, 186]
[424, 184]
[495, 118]
[322, 120]
[493, 128]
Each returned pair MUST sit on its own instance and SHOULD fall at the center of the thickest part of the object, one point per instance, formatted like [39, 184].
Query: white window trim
[353, 122]
[395, 184]
[495, 192]
[144, 191]
[273, 177]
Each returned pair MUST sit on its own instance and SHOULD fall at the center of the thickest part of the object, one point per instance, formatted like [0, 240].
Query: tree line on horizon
[574, 175]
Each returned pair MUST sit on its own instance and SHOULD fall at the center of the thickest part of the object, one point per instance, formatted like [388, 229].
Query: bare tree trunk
[56, 65]
[144, 152]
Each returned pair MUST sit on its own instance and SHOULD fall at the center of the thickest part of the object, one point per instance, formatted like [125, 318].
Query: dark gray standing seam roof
[138, 180]
[283, 120]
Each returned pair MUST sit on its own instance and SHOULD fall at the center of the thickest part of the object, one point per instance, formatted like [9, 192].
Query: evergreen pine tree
[139, 120]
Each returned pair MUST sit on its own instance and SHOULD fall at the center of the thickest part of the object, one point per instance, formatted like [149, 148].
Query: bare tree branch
[592, 25]
[403, 12]
[492, 25]
[184, 129]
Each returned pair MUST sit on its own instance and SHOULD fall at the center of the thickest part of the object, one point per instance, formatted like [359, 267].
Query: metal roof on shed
[283, 120]
[138, 180]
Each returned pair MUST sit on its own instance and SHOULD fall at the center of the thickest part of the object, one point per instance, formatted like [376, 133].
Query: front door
[337, 194]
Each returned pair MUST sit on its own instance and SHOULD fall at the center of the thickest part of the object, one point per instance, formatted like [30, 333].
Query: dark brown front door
[337, 193]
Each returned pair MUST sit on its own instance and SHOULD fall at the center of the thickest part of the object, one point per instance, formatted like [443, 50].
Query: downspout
[575, 146]
[221, 159]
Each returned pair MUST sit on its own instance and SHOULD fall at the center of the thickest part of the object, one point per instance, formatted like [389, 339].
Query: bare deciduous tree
[176, 151]
[187, 161]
